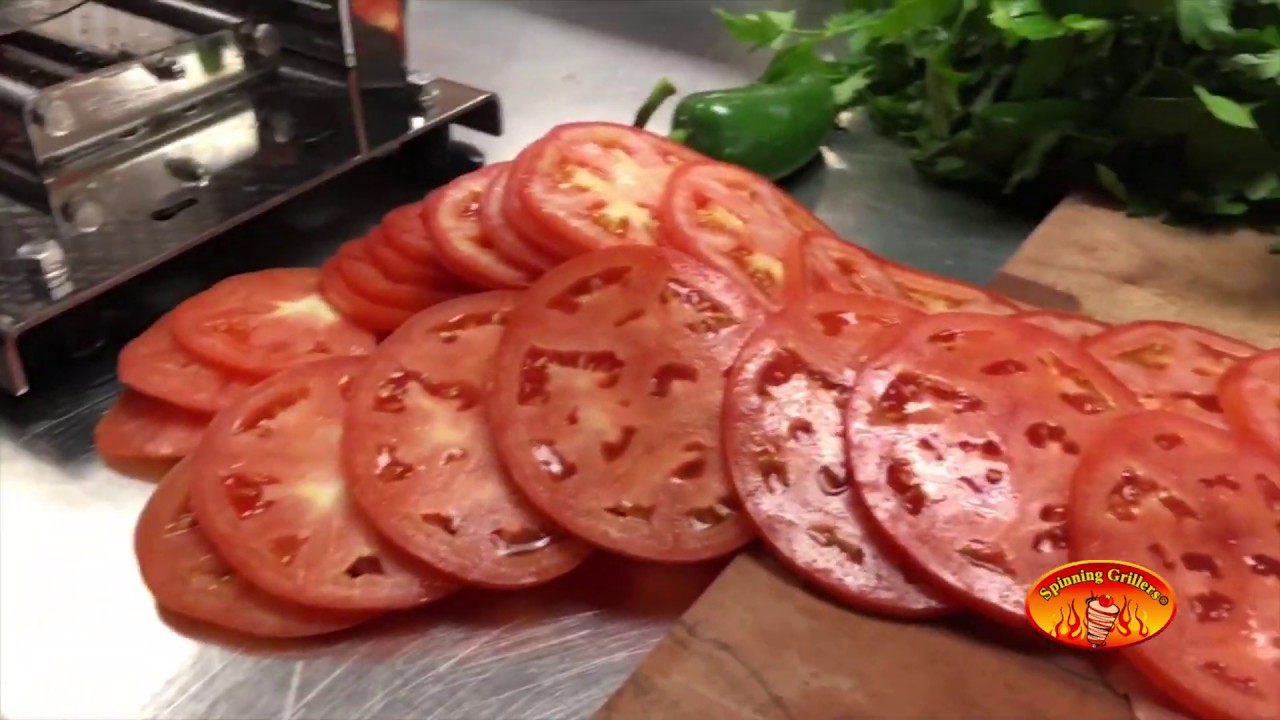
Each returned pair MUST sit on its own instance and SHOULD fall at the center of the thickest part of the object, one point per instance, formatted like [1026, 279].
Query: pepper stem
[658, 95]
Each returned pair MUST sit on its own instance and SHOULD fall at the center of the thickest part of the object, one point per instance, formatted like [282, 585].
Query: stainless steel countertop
[79, 636]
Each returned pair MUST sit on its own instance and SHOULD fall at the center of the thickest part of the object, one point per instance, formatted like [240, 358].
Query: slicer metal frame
[124, 167]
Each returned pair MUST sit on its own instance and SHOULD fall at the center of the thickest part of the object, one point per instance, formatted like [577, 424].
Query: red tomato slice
[607, 397]
[784, 443]
[1201, 507]
[404, 231]
[400, 268]
[962, 435]
[366, 280]
[505, 237]
[154, 365]
[538, 237]
[368, 314]
[263, 322]
[935, 294]
[1068, 325]
[739, 222]
[452, 216]
[595, 185]
[188, 577]
[837, 265]
[1250, 395]
[268, 490]
[141, 428]
[1169, 365]
[420, 461]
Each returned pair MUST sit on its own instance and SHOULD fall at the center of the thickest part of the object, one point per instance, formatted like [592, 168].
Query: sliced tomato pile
[1201, 506]
[1070, 325]
[611, 432]
[188, 577]
[974, 423]
[452, 217]
[739, 222]
[1250, 396]
[829, 263]
[420, 459]
[934, 293]
[614, 345]
[587, 186]
[260, 323]
[267, 487]
[1171, 366]
[784, 441]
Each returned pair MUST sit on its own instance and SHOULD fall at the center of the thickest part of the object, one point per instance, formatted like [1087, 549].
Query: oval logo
[1100, 604]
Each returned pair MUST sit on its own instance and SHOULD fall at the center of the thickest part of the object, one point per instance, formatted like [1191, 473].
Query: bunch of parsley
[1170, 106]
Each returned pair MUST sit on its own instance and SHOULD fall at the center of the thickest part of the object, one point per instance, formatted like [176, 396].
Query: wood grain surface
[759, 645]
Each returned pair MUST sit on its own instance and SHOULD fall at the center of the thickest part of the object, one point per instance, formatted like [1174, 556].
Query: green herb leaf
[1200, 21]
[758, 30]
[1111, 182]
[1225, 109]
[799, 59]
[1264, 66]
[846, 90]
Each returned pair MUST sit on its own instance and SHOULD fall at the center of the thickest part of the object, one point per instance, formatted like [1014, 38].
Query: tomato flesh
[137, 427]
[739, 222]
[1200, 507]
[1068, 325]
[369, 314]
[420, 460]
[832, 264]
[452, 216]
[155, 365]
[963, 433]
[937, 294]
[784, 443]
[505, 236]
[263, 322]
[188, 577]
[607, 400]
[1171, 366]
[1250, 395]
[595, 185]
[268, 490]
[400, 268]
[364, 278]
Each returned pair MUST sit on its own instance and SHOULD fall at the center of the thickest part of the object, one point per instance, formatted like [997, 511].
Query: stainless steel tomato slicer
[132, 130]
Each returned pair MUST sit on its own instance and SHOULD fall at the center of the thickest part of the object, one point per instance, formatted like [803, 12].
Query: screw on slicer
[263, 39]
[47, 270]
[83, 214]
[54, 116]
[424, 88]
[164, 67]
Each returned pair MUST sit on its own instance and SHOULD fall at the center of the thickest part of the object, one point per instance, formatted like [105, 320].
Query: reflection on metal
[123, 154]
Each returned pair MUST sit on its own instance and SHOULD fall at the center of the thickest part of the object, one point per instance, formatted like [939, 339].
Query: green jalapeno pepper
[771, 128]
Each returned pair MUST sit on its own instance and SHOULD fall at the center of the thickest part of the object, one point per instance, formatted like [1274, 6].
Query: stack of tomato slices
[614, 345]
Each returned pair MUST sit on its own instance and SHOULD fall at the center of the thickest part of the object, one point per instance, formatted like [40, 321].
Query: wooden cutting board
[757, 644]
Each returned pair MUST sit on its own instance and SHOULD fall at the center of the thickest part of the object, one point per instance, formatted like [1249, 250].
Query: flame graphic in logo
[1069, 626]
[1100, 605]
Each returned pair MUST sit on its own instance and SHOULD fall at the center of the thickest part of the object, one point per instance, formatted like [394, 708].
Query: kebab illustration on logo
[1100, 605]
[1100, 618]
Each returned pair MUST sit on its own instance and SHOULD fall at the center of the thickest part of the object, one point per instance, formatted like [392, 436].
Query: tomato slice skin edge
[924, 437]
[631, 512]
[263, 322]
[154, 364]
[460, 238]
[415, 446]
[1200, 506]
[138, 427]
[783, 398]
[186, 576]
[267, 488]
[1250, 395]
